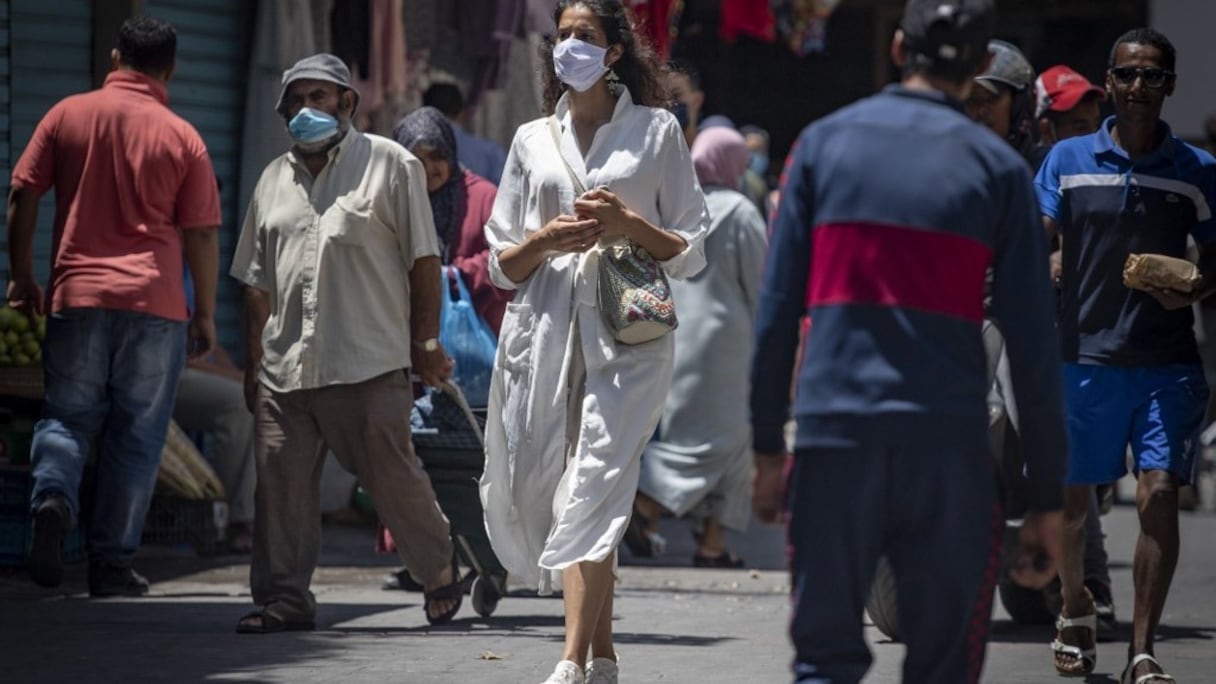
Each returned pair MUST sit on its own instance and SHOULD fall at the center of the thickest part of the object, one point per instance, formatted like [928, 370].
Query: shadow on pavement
[702, 590]
[1009, 632]
[515, 625]
[1168, 632]
[667, 639]
[181, 640]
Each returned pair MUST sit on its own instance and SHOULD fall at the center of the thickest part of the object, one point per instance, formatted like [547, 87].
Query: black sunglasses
[1154, 77]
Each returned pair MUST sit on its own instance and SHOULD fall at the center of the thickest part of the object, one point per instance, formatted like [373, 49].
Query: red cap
[1059, 89]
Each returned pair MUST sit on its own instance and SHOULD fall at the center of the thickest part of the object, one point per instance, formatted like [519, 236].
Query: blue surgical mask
[311, 127]
[758, 163]
[579, 64]
[681, 111]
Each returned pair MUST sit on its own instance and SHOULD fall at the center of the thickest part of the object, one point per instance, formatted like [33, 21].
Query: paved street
[675, 624]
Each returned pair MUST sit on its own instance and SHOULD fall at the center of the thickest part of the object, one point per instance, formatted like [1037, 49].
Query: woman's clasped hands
[573, 234]
[604, 206]
[599, 213]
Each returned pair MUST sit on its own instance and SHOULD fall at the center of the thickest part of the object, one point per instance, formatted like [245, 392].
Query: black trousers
[932, 511]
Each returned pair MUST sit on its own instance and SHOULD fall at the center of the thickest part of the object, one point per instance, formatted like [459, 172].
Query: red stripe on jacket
[911, 268]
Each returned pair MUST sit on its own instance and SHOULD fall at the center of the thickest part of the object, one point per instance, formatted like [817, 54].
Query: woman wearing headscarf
[699, 465]
[461, 202]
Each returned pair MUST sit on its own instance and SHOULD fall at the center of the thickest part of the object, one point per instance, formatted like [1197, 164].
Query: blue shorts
[1158, 410]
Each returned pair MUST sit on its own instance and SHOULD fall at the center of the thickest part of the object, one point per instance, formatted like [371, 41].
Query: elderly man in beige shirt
[340, 260]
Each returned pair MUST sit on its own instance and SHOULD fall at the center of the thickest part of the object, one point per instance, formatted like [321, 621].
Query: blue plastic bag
[467, 340]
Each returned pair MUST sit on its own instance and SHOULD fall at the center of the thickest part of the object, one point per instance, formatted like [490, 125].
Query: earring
[614, 82]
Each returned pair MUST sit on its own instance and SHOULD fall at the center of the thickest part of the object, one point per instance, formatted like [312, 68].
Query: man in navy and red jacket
[892, 211]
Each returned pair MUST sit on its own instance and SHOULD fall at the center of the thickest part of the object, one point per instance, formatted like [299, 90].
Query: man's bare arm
[1052, 228]
[426, 287]
[425, 291]
[24, 293]
[257, 312]
[202, 247]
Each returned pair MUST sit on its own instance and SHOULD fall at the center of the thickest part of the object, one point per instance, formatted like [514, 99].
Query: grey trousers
[367, 427]
[215, 405]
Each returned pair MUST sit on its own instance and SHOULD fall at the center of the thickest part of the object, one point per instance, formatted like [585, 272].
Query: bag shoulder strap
[556, 133]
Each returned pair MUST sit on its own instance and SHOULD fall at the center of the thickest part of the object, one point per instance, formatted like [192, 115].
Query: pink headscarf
[720, 156]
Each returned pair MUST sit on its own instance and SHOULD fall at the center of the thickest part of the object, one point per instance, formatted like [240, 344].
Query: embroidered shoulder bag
[632, 291]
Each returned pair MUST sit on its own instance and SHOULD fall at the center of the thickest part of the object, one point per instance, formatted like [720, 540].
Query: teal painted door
[49, 57]
[208, 90]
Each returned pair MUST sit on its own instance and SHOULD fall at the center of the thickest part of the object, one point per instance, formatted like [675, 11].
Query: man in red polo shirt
[134, 188]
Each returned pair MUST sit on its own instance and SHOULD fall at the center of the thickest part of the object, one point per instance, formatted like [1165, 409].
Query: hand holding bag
[633, 294]
[467, 339]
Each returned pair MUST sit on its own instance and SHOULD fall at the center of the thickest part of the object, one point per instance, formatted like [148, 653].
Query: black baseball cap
[949, 31]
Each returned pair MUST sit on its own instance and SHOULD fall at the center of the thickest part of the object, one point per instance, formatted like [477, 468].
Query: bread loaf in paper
[1158, 270]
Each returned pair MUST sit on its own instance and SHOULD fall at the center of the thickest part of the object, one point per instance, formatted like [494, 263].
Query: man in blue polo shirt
[892, 210]
[1132, 372]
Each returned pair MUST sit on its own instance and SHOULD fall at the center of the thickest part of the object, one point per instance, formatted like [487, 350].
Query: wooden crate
[24, 382]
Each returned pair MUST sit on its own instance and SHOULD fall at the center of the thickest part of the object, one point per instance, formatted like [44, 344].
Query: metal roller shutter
[208, 91]
[49, 58]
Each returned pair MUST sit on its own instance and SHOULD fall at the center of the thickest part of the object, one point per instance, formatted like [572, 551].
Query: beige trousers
[366, 425]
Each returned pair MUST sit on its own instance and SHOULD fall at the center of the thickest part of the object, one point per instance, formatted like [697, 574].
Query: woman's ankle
[653, 510]
[607, 652]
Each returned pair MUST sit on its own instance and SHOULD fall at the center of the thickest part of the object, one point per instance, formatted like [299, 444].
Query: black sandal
[453, 592]
[726, 559]
[269, 623]
[639, 540]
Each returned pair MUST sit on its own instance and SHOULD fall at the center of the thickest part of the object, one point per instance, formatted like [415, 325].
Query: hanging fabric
[350, 23]
[660, 22]
[803, 24]
[747, 18]
[486, 30]
[539, 17]
[284, 31]
[382, 87]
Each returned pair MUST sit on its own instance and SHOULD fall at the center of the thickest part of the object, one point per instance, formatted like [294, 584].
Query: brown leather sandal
[269, 623]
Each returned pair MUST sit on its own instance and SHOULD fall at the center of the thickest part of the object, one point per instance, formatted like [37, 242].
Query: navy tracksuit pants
[932, 511]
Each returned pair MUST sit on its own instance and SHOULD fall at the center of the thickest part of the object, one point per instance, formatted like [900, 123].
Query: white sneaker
[566, 672]
[602, 671]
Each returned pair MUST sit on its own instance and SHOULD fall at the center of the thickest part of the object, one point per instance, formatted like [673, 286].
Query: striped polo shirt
[1107, 207]
[891, 212]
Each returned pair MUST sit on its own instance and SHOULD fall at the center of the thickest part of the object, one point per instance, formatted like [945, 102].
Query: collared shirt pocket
[351, 221]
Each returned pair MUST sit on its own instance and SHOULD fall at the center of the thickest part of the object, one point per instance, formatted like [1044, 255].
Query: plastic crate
[16, 437]
[15, 541]
[200, 524]
[14, 490]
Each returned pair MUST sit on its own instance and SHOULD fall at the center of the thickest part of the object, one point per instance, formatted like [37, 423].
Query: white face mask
[579, 64]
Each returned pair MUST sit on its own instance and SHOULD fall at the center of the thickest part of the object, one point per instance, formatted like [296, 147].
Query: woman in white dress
[570, 407]
[700, 465]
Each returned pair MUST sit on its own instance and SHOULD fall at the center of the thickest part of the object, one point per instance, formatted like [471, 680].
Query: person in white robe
[700, 464]
[571, 408]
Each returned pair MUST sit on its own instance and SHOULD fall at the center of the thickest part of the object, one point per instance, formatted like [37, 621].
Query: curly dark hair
[638, 68]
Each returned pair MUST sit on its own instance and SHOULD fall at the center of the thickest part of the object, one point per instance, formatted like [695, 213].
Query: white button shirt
[334, 254]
